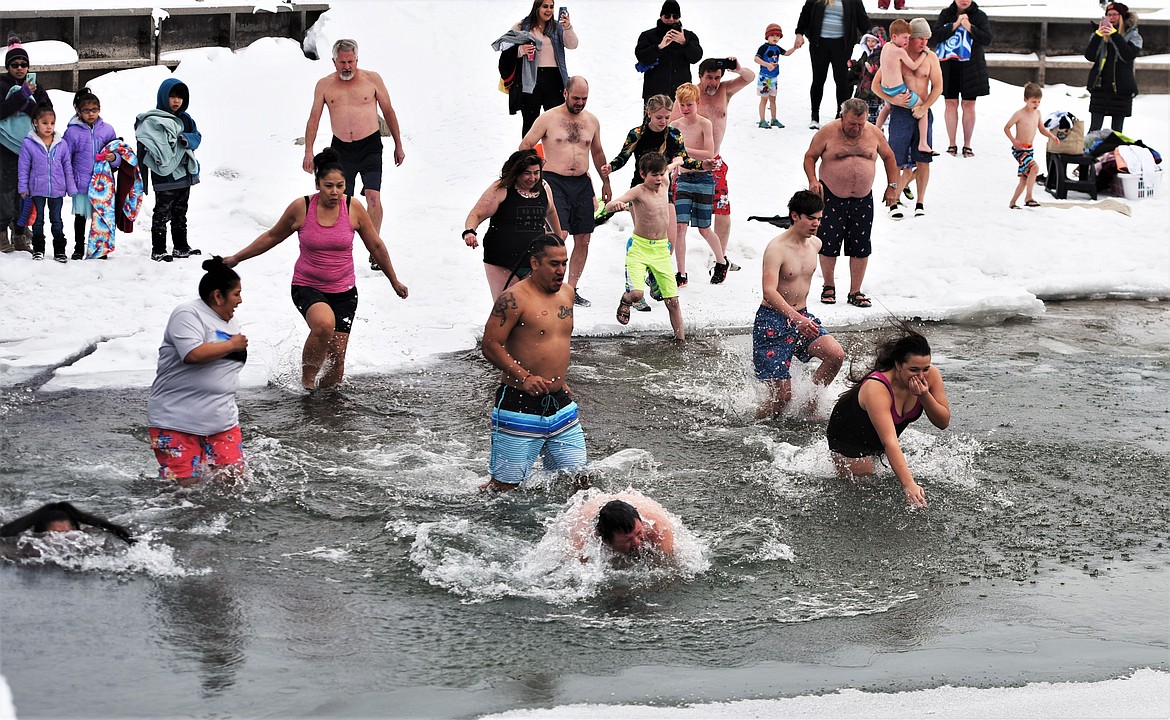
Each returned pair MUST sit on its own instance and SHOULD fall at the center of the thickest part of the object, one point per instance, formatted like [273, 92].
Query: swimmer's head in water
[620, 527]
[55, 519]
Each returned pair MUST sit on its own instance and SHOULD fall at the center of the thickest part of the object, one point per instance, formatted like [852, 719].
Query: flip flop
[858, 299]
[1015, 207]
[623, 312]
[828, 295]
[1032, 203]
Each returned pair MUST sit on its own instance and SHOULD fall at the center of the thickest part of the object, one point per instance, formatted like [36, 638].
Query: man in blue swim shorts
[784, 327]
[534, 413]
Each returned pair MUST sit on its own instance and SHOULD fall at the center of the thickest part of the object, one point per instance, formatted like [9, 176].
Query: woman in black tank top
[521, 209]
[869, 417]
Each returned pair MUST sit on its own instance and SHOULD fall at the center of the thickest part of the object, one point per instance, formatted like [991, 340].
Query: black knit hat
[15, 50]
[670, 7]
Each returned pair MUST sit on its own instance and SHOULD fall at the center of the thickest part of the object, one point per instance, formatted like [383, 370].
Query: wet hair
[85, 96]
[325, 162]
[710, 65]
[687, 92]
[652, 162]
[345, 45]
[1032, 90]
[805, 202]
[616, 516]
[658, 102]
[894, 346]
[40, 519]
[43, 109]
[515, 165]
[533, 18]
[899, 27]
[538, 248]
[854, 106]
[218, 277]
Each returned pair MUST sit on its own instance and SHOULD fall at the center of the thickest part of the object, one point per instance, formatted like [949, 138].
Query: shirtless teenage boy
[571, 135]
[649, 247]
[527, 338]
[694, 190]
[784, 327]
[353, 97]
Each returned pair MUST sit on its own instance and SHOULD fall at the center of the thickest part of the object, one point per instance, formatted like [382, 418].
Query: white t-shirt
[195, 399]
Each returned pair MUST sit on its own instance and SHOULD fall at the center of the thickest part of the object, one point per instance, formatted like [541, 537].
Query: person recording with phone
[544, 74]
[19, 97]
[666, 52]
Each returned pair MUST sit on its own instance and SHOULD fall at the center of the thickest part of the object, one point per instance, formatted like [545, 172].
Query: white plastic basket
[1139, 186]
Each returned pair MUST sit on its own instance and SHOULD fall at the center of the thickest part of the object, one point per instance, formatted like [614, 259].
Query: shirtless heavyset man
[784, 327]
[571, 135]
[353, 97]
[848, 149]
[926, 82]
[716, 95]
[527, 338]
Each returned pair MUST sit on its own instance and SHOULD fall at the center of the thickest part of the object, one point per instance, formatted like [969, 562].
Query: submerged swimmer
[61, 517]
[624, 528]
[869, 417]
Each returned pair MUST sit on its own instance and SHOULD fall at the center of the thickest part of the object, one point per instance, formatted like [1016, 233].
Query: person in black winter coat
[832, 28]
[17, 98]
[666, 52]
[963, 79]
[1113, 47]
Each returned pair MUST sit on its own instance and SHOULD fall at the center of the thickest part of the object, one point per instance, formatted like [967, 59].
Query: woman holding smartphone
[545, 64]
[1113, 46]
[19, 96]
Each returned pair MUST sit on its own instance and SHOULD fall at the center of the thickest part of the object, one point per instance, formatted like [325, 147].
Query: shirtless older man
[527, 338]
[927, 82]
[353, 97]
[848, 149]
[570, 135]
[784, 327]
[713, 106]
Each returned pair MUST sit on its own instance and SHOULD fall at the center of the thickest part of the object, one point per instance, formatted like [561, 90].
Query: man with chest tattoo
[848, 149]
[571, 135]
[527, 338]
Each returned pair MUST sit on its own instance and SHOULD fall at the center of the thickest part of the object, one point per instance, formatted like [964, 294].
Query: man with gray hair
[847, 149]
[927, 82]
[353, 97]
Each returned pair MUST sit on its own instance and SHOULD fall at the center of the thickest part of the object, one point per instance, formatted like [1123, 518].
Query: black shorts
[963, 79]
[361, 157]
[573, 198]
[847, 221]
[343, 304]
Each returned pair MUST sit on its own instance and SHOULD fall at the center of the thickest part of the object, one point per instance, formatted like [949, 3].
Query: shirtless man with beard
[848, 149]
[571, 135]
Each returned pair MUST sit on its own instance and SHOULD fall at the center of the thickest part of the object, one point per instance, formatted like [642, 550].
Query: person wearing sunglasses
[19, 97]
[666, 52]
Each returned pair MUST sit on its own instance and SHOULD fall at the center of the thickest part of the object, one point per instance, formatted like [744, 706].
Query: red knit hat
[773, 29]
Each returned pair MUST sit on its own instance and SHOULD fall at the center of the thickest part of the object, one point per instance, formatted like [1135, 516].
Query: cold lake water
[360, 573]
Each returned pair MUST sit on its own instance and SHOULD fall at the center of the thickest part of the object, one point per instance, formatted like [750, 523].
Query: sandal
[623, 312]
[1014, 207]
[1032, 203]
[968, 152]
[952, 150]
[829, 295]
[858, 299]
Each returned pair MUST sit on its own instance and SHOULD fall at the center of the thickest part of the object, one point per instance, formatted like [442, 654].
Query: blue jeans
[58, 228]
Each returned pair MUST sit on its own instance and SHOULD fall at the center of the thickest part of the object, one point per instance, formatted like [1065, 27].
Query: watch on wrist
[893, 186]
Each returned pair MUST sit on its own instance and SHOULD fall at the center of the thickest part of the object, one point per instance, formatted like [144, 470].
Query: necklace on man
[847, 141]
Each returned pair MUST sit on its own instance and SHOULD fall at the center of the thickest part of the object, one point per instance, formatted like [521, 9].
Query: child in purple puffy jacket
[45, 173]
[86, 136]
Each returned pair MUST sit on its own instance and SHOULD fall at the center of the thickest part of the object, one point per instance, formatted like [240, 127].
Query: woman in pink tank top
[324, 287]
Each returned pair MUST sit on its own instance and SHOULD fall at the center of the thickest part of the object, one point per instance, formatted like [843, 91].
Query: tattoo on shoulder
[566, 311]
[505, 302]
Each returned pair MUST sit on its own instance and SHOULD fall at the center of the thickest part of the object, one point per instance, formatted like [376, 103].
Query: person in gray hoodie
[167, 139]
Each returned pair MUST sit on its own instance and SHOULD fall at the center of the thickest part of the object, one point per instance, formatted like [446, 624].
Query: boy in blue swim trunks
[893, 58]
[649, 247]
[527, 338]
[784, 327]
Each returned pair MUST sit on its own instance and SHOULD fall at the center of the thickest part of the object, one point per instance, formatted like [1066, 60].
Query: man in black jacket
[666, 52]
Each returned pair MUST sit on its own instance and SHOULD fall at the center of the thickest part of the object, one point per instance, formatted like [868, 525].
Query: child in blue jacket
[173, 169]
[45, 173]
[87, 135]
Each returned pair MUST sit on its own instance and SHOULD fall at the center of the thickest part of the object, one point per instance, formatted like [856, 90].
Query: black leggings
[1097, 121]
[822, 54]
[549, 93]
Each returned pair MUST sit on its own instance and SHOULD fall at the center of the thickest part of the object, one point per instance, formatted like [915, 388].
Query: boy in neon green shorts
[649, 248]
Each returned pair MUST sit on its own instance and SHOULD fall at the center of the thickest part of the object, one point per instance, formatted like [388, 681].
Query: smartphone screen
[563, 11]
